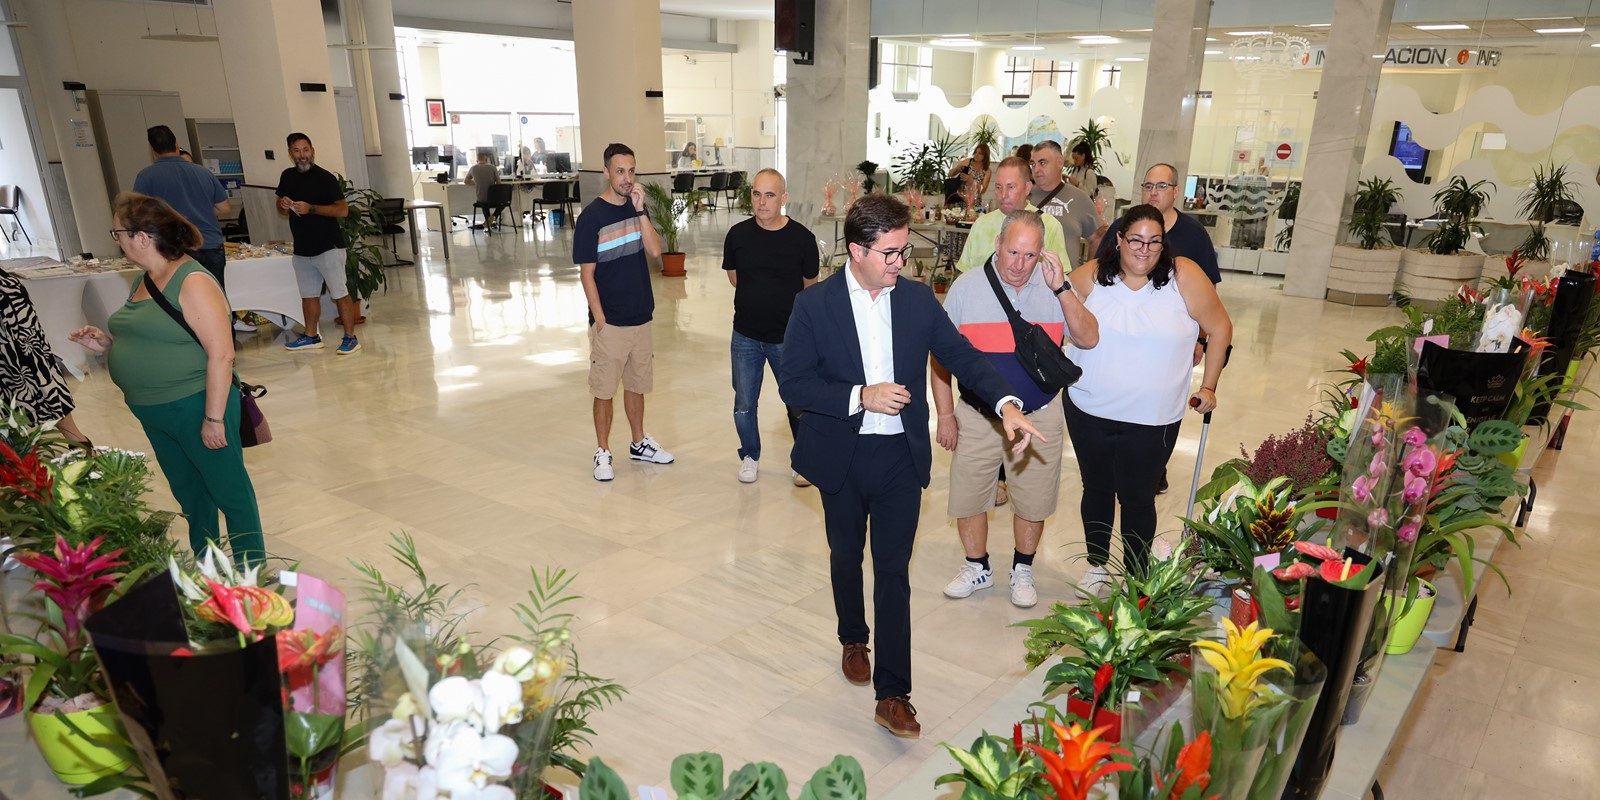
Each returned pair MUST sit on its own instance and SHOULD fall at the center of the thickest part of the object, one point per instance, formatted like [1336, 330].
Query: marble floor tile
[1539, 754]
[1551, 695]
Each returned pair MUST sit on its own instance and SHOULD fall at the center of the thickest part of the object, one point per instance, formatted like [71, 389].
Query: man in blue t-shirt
[191, 190]
[609, 245]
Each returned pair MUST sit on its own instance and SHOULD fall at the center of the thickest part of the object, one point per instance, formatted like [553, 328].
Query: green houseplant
[985, 132]
[1435, 271]
[1096, 136]
[1364, 274]
[1548, 189]
[923, 166]
[671, 214]
[363, 258]
[1459, 203]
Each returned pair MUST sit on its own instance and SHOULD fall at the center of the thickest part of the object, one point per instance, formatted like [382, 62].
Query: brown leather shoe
[898, 715]
[856, 664]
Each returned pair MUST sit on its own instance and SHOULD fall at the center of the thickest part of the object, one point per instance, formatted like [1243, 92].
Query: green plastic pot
[1405, 632]
[74, 760]
[1513, 459]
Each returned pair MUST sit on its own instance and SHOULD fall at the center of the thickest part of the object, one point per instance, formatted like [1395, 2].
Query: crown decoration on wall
[1269, 55]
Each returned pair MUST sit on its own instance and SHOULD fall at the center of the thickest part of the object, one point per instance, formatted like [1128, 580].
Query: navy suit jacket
[822, 363]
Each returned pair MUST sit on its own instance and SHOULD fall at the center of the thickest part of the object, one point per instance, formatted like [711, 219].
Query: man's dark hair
[616, 149]
[161, 139]
[1048, 144]
[872, 216]
[298, 136]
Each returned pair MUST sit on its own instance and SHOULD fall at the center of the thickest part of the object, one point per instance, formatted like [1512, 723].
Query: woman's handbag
[253, 428]
[1039, 355]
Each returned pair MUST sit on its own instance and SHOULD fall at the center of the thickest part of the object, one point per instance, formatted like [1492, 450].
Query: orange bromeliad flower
[1082, 762]
[1194, 767]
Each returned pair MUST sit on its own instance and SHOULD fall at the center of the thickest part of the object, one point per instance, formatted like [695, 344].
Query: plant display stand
[1358, 277]
[1429, 278]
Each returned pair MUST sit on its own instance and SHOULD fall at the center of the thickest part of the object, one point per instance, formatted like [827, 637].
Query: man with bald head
[1185, 236]
[1035, 284]
[769, 258]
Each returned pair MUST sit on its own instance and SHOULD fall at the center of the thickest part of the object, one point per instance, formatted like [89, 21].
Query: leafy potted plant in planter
[671, 214]
[1547, 191]
[1364, 273]
[1433, 273]
[66, 700]
[363, 258]
[1276, 260]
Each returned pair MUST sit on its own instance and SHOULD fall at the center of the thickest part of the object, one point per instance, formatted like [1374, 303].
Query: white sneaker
[1023, 595]
[799, 480]
[646, 449]
[602, 465]
[1095, 581]
[748, 469]
[971, 578]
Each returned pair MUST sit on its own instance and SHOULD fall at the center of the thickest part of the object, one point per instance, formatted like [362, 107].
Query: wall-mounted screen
[1412, 156]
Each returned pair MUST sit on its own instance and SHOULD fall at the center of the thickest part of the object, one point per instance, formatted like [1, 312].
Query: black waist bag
[1038, 354]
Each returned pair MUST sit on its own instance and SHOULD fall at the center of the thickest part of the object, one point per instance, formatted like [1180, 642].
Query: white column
[1338, 144]
[827, 105]
[1177, 54]
[375, 64]
[49, 58]
[752, 96]
[618, 51]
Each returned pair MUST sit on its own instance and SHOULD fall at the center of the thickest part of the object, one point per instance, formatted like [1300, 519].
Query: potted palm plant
[671, 215]
[1547, 191]
[1276, 260]
[1436, 271]
[1363, 273]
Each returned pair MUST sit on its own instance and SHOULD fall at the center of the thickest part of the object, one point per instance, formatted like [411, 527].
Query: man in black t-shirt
[609, 244]
[314, 202]
[769, 258]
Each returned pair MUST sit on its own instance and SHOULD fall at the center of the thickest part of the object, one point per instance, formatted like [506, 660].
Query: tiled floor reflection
[465, 421]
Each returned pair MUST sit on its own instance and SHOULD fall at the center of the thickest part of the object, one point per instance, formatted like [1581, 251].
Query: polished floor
[465, 421]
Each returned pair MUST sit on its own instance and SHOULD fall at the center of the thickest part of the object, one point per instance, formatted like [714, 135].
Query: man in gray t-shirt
[482, 176]
[1070, 205]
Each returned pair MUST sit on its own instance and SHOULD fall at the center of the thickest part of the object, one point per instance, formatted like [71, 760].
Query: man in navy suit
[855, 363]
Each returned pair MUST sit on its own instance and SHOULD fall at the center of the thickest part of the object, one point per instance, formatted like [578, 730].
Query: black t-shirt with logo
[772, 267]
[314, 234]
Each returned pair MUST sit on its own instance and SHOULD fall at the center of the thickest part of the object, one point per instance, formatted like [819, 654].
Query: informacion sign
[1442, 57]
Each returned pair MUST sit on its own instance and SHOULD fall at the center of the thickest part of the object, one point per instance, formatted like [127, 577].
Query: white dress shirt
[875, 331]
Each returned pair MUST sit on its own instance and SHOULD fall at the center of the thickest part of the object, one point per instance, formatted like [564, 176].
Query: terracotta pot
[940, 287]
[672, 265]
[1130, 720]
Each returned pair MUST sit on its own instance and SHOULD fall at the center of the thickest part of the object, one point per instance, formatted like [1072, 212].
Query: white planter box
[1274, 262]
[1426, 276]
[1362, 277]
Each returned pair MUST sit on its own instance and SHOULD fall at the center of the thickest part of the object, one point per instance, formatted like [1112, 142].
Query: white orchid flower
[519, 663]
[390, 743]
[408, 782]
[467, 761]
[456, 699]
[502, 700]
[416, 677]
[186, 586]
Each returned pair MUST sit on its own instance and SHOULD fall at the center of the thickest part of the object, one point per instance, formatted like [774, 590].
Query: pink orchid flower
[1361, 488]
[1408, 531]
[1416, 489]
[1379, 518]
[1420, 461]
[1415, 437]
[1376, 466]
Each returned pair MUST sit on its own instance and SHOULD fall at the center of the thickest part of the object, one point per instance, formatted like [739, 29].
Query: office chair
[553, 193]
[10, 201]
[719, 185]
[735, 183]
[683, 183]
[499, 200]
[392, 212]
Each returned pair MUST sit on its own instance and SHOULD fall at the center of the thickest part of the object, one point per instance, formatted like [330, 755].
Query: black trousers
[882, 492]
[1120, 462]
[213, 259]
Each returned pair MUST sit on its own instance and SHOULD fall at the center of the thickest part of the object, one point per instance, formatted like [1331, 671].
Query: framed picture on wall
[435, 112]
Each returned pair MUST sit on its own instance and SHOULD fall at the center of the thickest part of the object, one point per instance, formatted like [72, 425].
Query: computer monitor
[558, 162]
[423, 156]
[508, 164]
[1413, 157]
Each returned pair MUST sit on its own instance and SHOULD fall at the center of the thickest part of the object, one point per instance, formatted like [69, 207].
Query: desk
[444, 223]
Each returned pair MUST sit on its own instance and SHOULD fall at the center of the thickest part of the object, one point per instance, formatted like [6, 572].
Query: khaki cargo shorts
[620, 353]
[1033, 478]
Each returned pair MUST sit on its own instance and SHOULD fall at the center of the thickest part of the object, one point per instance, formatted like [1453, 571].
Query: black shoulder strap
[161, 300]
[1051, 196]
[1018, 324]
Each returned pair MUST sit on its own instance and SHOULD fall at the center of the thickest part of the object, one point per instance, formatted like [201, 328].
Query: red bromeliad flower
[1016, 737]
[26, 474]
[1194, 766]
[76, 580]
[1468, 294]
[1081, 763]
[1514, 263]
[1358, 366]
[1102, 679]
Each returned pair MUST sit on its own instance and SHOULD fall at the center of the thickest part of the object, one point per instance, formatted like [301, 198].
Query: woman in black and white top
[30, 376]
[1123, 414]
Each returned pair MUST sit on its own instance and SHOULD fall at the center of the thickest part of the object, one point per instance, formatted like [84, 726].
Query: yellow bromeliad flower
[1239, 667]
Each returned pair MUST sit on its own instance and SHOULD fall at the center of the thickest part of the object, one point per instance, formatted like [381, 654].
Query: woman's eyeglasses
[1142, 245]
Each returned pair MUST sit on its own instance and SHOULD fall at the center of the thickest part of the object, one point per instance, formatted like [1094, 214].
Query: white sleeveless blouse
[1140, 370]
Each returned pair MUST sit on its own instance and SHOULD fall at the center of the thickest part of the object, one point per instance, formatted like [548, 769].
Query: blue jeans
[749, 359]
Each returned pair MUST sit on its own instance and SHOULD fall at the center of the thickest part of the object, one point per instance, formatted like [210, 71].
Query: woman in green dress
[178, 385]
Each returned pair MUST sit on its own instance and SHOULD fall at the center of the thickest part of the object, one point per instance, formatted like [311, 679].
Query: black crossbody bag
[1039, 355]
[253, 428]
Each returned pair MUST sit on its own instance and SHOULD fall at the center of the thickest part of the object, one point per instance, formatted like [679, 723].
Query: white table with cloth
[68, 296]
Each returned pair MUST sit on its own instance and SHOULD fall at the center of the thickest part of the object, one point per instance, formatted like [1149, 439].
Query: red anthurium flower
[76, 580]
[1319, 552]
[302, 650]
[181, 652]
[1194, 766]
[1081, 762]
[1102, 679]
[1294, 572]
[226, 604]
[1334, 570]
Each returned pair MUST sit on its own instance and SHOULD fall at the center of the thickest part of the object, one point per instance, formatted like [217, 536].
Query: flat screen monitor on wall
[1413, 157]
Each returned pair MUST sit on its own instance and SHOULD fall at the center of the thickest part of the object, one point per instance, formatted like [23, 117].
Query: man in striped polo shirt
[1036, 286]
[609, 244]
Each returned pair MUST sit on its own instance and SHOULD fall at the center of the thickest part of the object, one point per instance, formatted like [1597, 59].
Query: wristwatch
[1057, 291]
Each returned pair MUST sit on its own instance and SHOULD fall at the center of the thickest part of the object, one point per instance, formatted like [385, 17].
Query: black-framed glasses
[115, 231]
[893, 257]
[1159, 186]
[1142, 244]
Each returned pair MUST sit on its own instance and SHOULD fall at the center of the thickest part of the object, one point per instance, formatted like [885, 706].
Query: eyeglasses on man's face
[1159, 186]
[892, 257]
